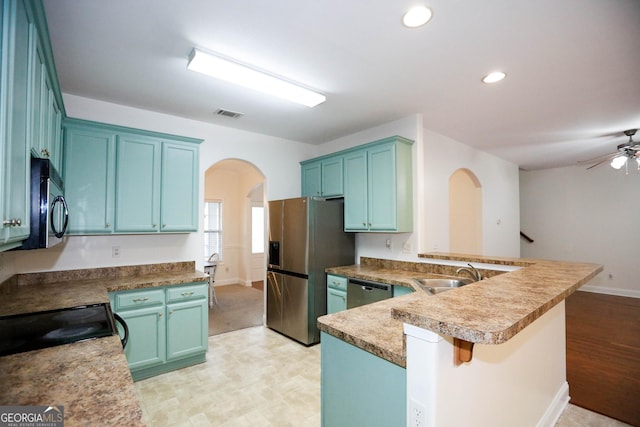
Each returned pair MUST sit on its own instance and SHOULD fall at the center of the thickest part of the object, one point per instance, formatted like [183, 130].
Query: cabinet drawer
[185, 293]
[337, 282]
[130, 300]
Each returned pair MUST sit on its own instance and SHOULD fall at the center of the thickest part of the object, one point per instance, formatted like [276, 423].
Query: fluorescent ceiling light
[234, 72]
[496, 76]
[417, 16]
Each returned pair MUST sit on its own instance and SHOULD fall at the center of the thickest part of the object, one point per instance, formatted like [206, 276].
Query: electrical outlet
[115, 251]
[406, 247]
[417, 414]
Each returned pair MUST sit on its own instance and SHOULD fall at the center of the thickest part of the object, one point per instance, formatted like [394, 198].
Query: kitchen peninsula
[510, 326]
[91, 379]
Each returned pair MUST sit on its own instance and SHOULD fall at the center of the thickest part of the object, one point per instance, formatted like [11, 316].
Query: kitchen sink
[436, 286]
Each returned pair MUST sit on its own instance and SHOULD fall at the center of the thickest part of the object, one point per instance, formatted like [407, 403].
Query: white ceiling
[573, 67]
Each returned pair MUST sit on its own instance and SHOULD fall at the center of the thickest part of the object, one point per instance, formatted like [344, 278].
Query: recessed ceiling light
[417, 16]
[496, 76]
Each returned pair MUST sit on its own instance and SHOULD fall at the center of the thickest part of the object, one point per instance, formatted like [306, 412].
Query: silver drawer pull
[170, 312]
[186, 294]
[159, 314]
[140, 299]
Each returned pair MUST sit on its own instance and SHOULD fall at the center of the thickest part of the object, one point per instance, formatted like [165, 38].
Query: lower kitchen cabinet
[336, 293]
[359, 388]
[168, 327]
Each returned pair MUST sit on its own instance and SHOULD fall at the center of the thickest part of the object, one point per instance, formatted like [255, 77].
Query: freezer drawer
[288, 306]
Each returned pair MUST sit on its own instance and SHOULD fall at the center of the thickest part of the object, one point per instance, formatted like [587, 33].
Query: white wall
[500, 195]
[592, 215]
[278, 160]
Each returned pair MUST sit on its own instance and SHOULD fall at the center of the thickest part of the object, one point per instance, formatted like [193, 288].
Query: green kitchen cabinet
[14, 122]
[378, 190]
[323, 177]
[336, 293]
[179, 187]
[137, 184]
[89, 176]
[398, 291]
[46, 115]
[187, 321]
[147, 181]
[168, 327]
[359, 388]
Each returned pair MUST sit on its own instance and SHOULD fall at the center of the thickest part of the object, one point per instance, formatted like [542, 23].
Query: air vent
[229, 113]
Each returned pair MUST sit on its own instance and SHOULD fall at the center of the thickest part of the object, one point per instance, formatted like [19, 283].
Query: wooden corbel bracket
[462, 351]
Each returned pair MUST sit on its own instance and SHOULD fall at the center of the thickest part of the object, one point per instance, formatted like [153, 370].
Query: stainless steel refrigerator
[306, 235]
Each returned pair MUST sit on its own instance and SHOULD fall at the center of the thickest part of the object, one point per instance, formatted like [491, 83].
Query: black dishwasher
[362, 292]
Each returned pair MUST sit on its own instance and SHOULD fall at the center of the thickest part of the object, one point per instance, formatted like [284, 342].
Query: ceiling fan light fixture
[243, 75]
[494, 77]
[618, 162]
[417, 16]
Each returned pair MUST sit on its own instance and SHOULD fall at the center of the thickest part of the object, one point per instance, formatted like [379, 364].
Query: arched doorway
[465, 213]
[236, 186]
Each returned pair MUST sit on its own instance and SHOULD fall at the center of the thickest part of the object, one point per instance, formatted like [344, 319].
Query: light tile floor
[258, 378]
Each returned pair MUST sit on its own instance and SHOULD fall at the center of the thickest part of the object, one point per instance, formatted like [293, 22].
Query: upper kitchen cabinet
[14, 105]
[147, 182]
[45, 112]
[30, 110]
[323, 177]
[89, 177]
[378, 190]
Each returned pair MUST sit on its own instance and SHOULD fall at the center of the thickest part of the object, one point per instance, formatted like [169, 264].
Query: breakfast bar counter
[490, 311]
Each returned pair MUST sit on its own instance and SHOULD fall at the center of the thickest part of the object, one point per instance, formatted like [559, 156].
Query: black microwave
[49, 211]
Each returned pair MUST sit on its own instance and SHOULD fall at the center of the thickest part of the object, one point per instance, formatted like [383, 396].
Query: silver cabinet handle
[15, 222]
[140, 299]
[170, 312]
[107, 225]
[154, 225]
[186, 294]
[45, 153]
[159, 314]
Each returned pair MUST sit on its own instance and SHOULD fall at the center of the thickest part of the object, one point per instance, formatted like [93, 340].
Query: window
[257, 229]
[212, 229]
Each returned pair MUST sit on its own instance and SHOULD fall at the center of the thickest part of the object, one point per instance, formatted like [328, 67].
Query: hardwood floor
[603, 354]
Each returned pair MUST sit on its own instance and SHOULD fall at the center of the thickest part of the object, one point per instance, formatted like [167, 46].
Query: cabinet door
[179, 198]
[355, 192]
[187, 328]
[137, 184]
[311, 179]
[89, 177]
[14, 112]
[382, 201]
[147, 337]
[336, 300]
[332, 180]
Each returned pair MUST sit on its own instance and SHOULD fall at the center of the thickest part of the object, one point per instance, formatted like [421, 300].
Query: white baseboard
[232, 282]
[632, 293]
[556, 408]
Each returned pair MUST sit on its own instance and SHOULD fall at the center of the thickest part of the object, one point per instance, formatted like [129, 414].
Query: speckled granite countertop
[491, 311]
[31, 292]
[91, 378]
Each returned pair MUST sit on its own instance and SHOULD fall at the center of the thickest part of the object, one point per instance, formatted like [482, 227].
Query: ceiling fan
[625, 153]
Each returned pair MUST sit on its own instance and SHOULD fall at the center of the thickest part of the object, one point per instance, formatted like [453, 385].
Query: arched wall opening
[465, 212]
[238, 186]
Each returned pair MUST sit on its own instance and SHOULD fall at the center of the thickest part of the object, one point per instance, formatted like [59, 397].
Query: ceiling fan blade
[611, 156]
[599, 157]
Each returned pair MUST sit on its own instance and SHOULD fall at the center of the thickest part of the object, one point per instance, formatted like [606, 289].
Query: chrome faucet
[471, 271]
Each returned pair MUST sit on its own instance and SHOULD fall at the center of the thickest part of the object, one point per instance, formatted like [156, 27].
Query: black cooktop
[33, 331]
